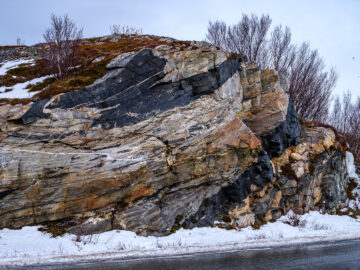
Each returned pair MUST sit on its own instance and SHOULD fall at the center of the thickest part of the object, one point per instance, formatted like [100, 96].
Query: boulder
[167, 138]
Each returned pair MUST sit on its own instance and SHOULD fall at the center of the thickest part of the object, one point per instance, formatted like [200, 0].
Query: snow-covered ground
[351, 170]
[5, 66]
[30, 246]
[18, 90]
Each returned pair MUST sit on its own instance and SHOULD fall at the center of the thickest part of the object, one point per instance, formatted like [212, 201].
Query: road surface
[328, 255]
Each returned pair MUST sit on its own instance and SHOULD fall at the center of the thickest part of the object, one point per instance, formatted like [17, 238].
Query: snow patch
[28, 245]
[350, 166]
[354, 204]
[5, 66]
[19, 90]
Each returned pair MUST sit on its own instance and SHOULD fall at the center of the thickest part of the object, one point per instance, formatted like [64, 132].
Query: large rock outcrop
[167, 138]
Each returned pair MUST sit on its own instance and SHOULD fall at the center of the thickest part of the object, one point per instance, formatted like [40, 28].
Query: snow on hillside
[5, 66]
[18, 90]
[28, 245]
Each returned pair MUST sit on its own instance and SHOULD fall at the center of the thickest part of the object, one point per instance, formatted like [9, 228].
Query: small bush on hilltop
[63, 40]
[119, 30]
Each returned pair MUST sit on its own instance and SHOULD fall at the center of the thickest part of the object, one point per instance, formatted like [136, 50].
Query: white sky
[333, 27]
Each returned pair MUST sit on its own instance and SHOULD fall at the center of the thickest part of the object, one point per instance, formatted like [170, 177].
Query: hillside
[21, 64]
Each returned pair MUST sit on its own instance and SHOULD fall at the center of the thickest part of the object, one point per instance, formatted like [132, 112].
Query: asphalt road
[330, 255]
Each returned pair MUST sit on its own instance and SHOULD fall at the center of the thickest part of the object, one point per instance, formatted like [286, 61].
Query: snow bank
[19, 90]
[28, 245]
[351, 170]
[350, 166]
[5, 66]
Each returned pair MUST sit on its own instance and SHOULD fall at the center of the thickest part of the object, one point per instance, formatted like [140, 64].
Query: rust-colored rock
[165, 135]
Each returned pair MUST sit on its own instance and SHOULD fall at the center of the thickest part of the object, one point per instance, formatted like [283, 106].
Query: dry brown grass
[14, 101]
[11, 46]
[24, 73]
[340, 137]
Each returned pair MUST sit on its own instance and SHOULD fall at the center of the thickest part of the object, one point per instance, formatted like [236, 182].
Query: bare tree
[217, 34]
[345, 117]
[336, 114]
[310, 85]
[248, 37]
[63, 40]
[347, 112]
[281, 52]
[117, 29]
[354, 134]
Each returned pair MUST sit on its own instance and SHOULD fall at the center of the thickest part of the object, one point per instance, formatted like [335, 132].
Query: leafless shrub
[294, 218]
[159, 244]
[90, 239]
[119, 30]
[248, 37]
[63, 40]
[217, 34]
[257, 236]
[84, 235]
[282, 53]
[345, 116]
[310, 86]
[79, 233]
[321, 227]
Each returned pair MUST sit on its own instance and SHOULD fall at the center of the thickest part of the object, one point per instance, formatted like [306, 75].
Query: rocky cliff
[168, 138]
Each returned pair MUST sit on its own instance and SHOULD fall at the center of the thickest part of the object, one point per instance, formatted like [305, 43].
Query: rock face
[167, 138]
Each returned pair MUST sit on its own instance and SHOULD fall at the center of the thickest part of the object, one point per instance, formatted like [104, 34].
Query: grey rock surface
[168, 138]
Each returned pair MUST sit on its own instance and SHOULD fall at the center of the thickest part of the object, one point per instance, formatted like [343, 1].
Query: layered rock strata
[167, 138]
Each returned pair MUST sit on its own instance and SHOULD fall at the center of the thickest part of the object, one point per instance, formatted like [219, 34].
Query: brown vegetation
[24, 73]
[14, 101]
[11, 46]
[88, 70]
[339, 136]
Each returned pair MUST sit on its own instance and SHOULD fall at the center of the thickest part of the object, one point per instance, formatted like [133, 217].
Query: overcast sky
[332, 27]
